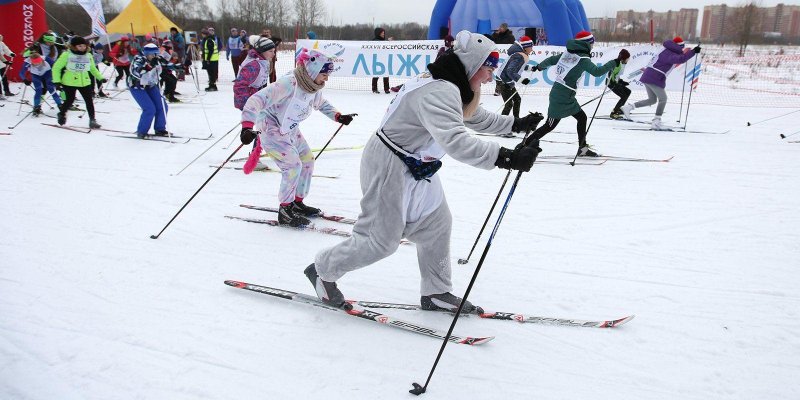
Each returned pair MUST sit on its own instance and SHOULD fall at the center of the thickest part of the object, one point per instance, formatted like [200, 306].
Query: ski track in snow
[703, 249]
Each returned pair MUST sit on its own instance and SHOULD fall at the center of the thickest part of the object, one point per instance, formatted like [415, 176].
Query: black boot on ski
[448, 302]
[326, 291]
[37, 111]
[300, 208]
[93, 124]
[62, 118]
[287, 216]
[161, 133]
[102, 94]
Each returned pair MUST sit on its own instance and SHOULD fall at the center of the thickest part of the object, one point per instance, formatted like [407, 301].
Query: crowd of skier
[430, 116]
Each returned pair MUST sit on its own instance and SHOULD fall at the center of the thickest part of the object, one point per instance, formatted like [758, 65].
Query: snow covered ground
[703, 249]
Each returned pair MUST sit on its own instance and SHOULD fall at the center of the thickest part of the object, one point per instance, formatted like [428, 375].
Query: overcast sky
[393, 11]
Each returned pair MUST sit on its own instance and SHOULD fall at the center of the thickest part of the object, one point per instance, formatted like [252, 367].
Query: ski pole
[572, 163]
[206, 150]
[195, 193]
[463, 261]
[22, 101]
[691, 89]
[331, 139]
[769, 119]
[516, 93]
[491, 210]
[680, 112]
[20, 121]
[791, 134]
[596, 97]
[417, 388]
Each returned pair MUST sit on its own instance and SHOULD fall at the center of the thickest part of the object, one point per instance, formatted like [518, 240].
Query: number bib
[566, 63]
[79, 63]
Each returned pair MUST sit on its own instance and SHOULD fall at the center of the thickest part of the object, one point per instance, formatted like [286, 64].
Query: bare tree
[745, 21]
[309, 12]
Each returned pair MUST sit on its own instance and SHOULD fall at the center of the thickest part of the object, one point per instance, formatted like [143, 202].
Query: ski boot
[300, 208]
[102, 94]
[287, 216]
[173, 99]
[161, 133]
[586, 151]
[656, 124]
[211, 88]
[37, 111]
[326, 291]
[62, 118]
[448, 302]
[626, 110]
[617, 114]
[141, 135]
[93, 124]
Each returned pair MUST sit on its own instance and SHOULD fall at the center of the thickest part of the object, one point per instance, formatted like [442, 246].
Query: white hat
[315, 62]
[472, 49]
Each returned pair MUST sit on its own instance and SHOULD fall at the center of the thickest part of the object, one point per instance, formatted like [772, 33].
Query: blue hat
[150, 49]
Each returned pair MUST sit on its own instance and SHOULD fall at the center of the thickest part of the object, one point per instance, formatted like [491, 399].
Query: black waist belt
[419, 169]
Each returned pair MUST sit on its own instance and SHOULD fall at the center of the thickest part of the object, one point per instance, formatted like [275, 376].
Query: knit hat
[263, 44]
[49, 38]
[473, 50]
[311, 35]
[525, 42]
[315, 62]
[585, 36]
[76, 40]
[252, 39]
[678, 40]
[124, 38]
[167, 44]
[150, 49]
[98, 46]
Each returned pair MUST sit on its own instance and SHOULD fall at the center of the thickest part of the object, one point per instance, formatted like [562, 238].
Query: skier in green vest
[570, 66]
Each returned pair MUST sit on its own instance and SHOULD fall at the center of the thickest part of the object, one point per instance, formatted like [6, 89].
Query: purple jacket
[667, 59]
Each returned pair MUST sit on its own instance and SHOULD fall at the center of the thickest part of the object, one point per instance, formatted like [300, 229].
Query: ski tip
[617, 322]
[475, 341]
[236, 284]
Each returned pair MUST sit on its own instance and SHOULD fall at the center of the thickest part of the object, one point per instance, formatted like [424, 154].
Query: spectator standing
[235, 47]
[210, 50]
[380, 35]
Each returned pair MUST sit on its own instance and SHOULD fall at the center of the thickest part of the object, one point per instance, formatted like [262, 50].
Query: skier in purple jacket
[654, 78]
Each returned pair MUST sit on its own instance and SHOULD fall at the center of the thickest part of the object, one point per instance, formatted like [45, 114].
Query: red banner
[23, 22]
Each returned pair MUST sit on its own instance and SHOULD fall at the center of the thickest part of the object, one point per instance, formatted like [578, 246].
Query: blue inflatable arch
[561, 19]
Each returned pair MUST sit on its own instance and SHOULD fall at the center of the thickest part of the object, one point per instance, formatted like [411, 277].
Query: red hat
[585, 36]
[525, 42]
[124, 38]
[678, 40]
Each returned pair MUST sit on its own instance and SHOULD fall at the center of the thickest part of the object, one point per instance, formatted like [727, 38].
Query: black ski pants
[551, 124]
[86, 92]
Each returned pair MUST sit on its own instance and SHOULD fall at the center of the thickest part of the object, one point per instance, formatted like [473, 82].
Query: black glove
[528, 67]
[520, 159]
[106, 62]
[345, 119]
[525, 81]
[154, 61]
[248, 135]
[27, 82]
[13, 55]
[527, 123]
[538, 67]
[621, 82]
[696, 49]
[102, 80]
[58, 87]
